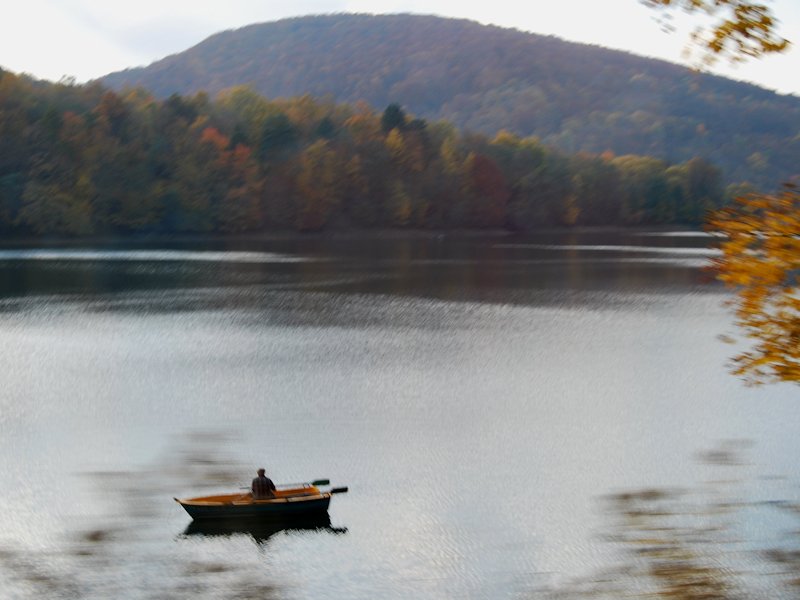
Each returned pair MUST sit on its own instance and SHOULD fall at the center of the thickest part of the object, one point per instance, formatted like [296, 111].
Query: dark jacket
[263, 487]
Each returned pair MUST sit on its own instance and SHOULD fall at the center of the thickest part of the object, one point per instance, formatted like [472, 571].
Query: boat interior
[247, 497]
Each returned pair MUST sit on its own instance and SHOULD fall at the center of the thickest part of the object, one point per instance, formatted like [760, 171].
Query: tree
[643, 184]
[698, 185]
[745, 29]
[277, 135]
[761, 258]
[543, 197]
[761, 233]
[240, 209]
[393, 118]
[319, 186]
[400, 204]
[489, 192]
[360, 205]
[596, 184]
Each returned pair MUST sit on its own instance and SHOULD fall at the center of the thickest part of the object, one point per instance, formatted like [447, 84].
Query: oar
[315, 483]
[339, 490]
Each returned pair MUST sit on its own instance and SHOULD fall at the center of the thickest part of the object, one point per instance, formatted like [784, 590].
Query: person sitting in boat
[262, 486]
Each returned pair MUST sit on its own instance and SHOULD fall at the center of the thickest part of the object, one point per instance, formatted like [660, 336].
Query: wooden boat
[289, 502]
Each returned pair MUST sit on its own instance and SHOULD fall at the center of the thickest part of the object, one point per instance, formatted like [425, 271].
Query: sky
[85, 39]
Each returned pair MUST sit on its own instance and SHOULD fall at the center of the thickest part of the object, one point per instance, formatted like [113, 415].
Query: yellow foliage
[406, 152]
[363, 127]
[357, 182]
[761, 260]
[745, 29]
[396, 145]
[400, 204]
[505, 137]
[319, 185]
[452, 160]
[571, 210]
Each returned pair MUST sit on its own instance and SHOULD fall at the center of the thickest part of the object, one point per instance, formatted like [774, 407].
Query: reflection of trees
[699, 542]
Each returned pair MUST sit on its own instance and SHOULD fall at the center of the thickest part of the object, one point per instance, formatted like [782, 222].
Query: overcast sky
[89, 38]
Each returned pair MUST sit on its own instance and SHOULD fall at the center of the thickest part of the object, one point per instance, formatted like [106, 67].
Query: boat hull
[286, 506]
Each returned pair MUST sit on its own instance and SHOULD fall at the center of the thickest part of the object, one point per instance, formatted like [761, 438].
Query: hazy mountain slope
[484, 78]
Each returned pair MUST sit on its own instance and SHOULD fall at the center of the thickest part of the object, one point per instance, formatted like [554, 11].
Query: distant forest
[84, 160]
[573, 97]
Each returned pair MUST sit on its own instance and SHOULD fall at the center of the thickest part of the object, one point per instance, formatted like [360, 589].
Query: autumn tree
[319, 186]
[394, 117]
[360, 205]
[540, 180]
[400, 204]
[278, 133]
[596, 182]
[644, 188]
[543, 197]
[760, 232]
[741, 29]
[448, 184]
[489, 192]
[761, 258]
[240, 207]
[698, 186]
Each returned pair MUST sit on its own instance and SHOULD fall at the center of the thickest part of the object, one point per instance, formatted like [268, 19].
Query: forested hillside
[83, 160]
[484, 78]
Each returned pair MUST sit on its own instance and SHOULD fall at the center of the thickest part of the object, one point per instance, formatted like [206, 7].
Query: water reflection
[452, 267]
[709, 252]
[56, 254]
[261, 530]
[721, 539]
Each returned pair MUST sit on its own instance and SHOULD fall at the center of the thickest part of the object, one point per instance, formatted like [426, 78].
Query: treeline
[83, 160]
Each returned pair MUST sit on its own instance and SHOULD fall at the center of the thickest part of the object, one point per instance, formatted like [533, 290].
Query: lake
[479, 395]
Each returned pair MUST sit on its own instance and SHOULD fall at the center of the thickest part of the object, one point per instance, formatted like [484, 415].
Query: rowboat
[292, 501]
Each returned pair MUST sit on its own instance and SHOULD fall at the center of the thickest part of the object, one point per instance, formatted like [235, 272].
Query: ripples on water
[618, 248]
[478, 395]
[146, 256]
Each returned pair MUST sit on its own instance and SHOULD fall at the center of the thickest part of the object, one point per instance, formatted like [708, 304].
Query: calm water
[477, 394]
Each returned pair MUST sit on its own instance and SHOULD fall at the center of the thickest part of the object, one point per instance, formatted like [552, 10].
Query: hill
[575, 97]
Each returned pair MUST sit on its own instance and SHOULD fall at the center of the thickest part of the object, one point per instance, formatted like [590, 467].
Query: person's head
[261, 472]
